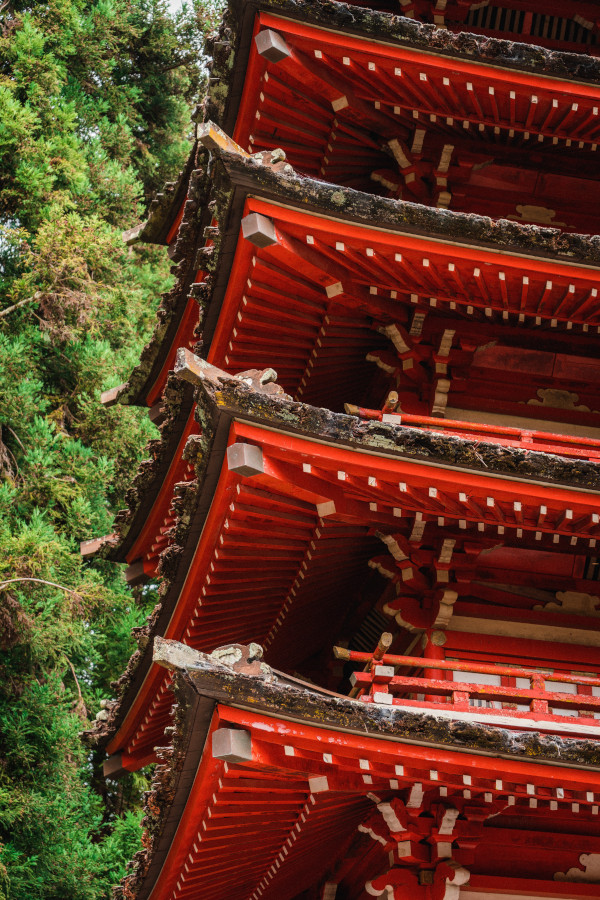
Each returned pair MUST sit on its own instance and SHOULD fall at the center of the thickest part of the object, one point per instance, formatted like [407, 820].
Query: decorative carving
[420, 848]
[558, 399]
[440, 397]
[408, 613]
[397, 884]
[449, 876]
[540, 215]
[393, 823]
[573, 603]
[414, 361]
[589, 873]
[394, 815]
[263, 381]
[400, 884]
[417, 570]
[245, 660]
[388, 825]
[405, 565]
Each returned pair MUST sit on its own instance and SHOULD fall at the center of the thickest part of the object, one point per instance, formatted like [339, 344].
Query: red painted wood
[389, 659]
[174, 229]
[276, 512]
[348, 43]
[534, 888]
[293, 109]
[178, 471]
[324, 349]
[258, 829]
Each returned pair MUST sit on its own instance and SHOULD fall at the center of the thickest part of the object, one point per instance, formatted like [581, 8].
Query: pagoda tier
[426, 160]
[316, 281]
[468, 321]
[378, 388]
[566, 27]
[306, 527]
[459, 121]
[273, 790]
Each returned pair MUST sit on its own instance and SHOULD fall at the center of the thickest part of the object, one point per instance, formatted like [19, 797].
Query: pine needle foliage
[94, 116]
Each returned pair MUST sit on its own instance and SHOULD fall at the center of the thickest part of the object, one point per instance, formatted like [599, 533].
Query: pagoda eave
[301, 702]
[151, 493]
[509, 246]
[178, 309]
[339, 202]
[381, 26]
[307, 521]
[332, 294]
[263, 116]
[373, 511]
[235, 399]
[165, 210]
[325, 770]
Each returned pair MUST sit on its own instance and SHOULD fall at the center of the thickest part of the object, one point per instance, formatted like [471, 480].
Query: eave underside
[305, 808]
[382, 93]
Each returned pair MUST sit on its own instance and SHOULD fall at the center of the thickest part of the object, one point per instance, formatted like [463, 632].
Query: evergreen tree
[94, 113]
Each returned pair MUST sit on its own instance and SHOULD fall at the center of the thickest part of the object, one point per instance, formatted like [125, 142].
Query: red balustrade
[380, 683]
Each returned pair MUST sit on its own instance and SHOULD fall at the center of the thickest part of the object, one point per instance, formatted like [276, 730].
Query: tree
[94, 116]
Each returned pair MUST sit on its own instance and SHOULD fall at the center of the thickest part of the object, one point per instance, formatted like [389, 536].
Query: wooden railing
[379, 683]
[529, 439]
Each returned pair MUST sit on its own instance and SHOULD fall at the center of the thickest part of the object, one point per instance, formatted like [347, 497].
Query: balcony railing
[507, 436]
[380, 683]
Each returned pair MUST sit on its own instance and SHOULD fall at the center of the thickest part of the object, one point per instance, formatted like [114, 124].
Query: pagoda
[373, 509]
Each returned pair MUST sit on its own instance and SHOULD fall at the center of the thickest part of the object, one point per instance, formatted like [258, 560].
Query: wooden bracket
[271, 46]
[245, 459]
[232, 745]
[214, 138]
[111, 396]
[259, 230]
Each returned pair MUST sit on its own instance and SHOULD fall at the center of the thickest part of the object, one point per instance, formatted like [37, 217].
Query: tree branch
[16, 437]
[9, 309]
[81, 704]
[61, 587]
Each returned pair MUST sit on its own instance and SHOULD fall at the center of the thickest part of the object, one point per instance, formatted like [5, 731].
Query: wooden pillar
[433, 648]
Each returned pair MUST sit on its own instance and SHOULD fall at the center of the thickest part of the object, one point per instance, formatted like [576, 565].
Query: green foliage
[94, 113]
[48, 806]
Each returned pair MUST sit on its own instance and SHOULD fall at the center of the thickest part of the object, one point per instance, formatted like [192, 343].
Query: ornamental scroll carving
[589, 873]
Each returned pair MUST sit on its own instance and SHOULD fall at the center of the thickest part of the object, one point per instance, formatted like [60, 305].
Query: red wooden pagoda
[374, 666]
